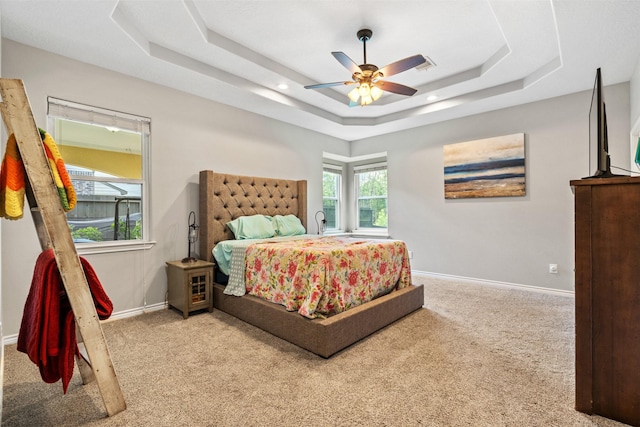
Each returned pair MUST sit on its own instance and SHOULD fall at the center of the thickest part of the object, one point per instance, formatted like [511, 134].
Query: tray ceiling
[488, 54]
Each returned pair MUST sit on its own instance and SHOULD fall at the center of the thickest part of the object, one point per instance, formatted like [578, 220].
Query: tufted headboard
[225, 197]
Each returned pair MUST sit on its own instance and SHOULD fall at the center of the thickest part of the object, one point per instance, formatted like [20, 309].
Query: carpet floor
[475, 355]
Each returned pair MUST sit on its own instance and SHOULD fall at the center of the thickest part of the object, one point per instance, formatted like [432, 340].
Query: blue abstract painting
[492, 167]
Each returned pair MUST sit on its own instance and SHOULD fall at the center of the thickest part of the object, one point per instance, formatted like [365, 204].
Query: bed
[226, 197]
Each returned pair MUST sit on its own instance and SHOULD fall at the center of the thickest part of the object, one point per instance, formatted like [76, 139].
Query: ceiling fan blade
[402, 65]
[396, 88]
[323, 85]
[347, 62]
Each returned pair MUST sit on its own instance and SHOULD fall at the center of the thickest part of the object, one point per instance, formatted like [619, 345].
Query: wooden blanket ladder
[53, 232]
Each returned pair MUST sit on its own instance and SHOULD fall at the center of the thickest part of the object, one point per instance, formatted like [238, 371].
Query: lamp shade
[364, 89]
[376, 93]
[354, 95]
[365, 93]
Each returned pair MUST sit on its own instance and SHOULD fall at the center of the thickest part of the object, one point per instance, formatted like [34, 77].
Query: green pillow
[288, 225]
[252, 227]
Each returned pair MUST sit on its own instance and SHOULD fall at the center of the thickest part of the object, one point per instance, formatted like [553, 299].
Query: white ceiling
[490, 54]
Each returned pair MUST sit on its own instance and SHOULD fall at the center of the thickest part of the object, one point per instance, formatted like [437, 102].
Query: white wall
[507, 240]
[634, 93]
[511, 239]
[188, 134]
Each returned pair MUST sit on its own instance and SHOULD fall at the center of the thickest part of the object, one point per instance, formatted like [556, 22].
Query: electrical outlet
[410, 254]
[553, 268]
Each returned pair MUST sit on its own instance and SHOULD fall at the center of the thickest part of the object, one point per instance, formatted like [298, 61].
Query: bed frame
[225, 197]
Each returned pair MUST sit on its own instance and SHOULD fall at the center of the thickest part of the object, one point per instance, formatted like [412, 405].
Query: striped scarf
[12, 178]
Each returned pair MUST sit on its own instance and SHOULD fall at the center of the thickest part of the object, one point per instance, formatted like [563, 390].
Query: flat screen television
[599, 160]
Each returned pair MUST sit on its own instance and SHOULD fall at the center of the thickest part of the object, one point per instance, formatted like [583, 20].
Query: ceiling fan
[369, 77]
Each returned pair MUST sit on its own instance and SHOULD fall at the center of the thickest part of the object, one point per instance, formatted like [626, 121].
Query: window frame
[97, 116]
[339, 172]
[365, 168]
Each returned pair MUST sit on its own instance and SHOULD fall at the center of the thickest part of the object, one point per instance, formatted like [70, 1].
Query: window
[371, 195]
[331, 185]
[106, 154]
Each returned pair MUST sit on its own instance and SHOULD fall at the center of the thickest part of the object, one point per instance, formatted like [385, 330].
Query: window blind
[371, 167]
[95, 115]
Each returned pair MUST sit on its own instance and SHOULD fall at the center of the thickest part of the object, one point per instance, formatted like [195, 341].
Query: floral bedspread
[322, 276]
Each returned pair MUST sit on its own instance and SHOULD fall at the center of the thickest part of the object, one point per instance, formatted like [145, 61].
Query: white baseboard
[136, 312]
[12, 339]
[495, 283]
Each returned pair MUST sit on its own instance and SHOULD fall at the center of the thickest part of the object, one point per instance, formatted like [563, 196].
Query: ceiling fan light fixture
[354, 95]
[369, 77]
[376, 93]
[364, 94]
[364, 89]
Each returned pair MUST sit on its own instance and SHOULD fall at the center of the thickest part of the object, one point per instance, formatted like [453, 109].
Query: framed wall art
[491, 167]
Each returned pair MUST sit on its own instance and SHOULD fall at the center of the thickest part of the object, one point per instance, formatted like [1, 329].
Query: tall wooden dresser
[607, 292]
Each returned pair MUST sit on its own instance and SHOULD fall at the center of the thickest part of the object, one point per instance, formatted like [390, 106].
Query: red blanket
[48, 331]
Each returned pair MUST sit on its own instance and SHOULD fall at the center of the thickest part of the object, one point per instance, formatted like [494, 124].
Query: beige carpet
[475, 356]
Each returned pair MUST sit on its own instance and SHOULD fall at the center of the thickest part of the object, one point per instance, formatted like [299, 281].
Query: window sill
[115, 246]
[335, 233]
[382, 234]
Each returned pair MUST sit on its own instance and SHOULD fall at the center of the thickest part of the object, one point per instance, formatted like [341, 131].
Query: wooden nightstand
[190, 286]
